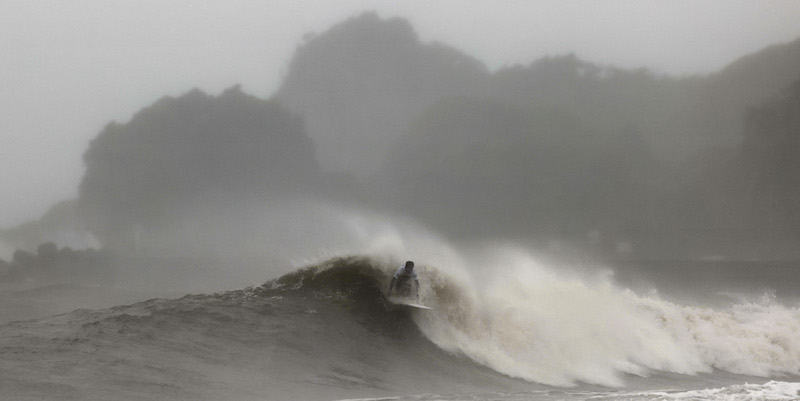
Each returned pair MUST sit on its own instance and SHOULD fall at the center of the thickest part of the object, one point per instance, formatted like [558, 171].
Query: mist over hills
[359, 84]
[561, 148]
[489, 168]
[768, 164]
[189, 153]
[620, 162]
[728, 94]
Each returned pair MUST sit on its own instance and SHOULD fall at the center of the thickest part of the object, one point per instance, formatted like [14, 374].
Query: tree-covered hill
[559, 148]
[193, 151]
[362, 82]
[485, 167]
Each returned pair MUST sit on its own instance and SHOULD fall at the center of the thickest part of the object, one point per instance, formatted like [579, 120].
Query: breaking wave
[530, 322]
[327, 331]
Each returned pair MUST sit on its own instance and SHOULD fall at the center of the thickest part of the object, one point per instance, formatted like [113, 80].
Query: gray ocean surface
[326, 332]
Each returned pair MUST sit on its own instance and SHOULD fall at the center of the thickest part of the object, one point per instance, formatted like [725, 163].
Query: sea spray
[504, 308]
[531, 321]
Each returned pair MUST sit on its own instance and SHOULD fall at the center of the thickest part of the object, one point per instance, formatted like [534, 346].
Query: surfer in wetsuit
[400, 280]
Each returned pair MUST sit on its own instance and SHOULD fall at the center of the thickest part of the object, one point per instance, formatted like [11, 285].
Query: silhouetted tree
[181, 152]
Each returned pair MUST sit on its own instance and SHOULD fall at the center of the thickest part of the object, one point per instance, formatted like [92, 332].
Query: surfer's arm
[391, 285]
[416, 282]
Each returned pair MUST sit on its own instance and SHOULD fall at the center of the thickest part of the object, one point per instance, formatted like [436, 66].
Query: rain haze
[70, 68]
[411, 200]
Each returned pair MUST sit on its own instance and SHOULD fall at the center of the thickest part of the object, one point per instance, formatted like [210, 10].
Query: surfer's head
[409, 265]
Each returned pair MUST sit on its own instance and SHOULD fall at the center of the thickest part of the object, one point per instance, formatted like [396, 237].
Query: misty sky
[70, 67]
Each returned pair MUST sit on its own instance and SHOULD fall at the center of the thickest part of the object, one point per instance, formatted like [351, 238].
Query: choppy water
[523, 332]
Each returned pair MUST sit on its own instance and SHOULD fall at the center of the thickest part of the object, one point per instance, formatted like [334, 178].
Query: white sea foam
[771, 391]
[503, 308]
[530, 321]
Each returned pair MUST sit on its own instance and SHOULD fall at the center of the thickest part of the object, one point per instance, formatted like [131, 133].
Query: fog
[183, 147]
[207, 200]
[68, 69]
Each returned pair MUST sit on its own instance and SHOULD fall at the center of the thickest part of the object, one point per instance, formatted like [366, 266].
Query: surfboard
[408, 302]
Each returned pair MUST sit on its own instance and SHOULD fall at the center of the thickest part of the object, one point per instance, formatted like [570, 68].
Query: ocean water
[510, 328]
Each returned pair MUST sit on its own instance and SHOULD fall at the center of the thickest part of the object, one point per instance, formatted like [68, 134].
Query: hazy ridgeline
[562, 151]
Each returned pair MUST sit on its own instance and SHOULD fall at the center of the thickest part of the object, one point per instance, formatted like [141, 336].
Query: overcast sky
[69, 67]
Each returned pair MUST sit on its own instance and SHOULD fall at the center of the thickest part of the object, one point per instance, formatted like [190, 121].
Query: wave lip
[323, 332]
[327, 331]
[534, 323]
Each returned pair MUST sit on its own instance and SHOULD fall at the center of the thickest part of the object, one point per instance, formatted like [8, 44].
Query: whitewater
[530, 323]
[507, 324]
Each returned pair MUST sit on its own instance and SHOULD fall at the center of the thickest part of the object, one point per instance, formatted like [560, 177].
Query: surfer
[401, 281]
